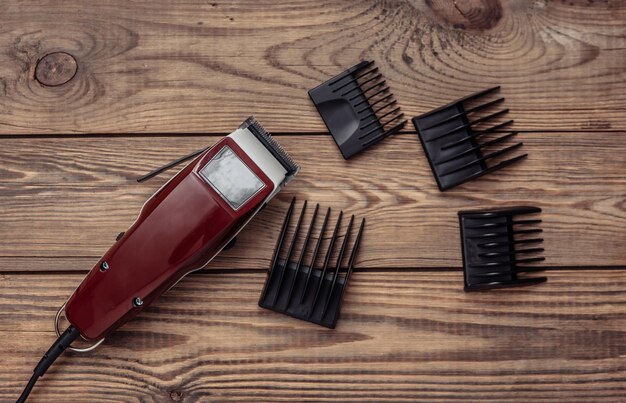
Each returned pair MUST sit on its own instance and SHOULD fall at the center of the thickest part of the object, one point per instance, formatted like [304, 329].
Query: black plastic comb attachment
[294, 286]
[358, 108]
[451, 140]
[497, 246]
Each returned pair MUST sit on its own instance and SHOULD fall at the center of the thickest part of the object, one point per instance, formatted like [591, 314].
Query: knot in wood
[56, 69]
[176, 395]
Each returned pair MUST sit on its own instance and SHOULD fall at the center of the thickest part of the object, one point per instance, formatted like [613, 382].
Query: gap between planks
[380, 270]
[36, 136]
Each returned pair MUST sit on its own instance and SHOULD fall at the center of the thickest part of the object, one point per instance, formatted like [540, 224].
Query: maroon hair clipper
[179, 229]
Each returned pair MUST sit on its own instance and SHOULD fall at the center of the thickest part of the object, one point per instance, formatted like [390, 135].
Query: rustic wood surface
[410, 336]
[58, 188]
[94, 94]
[149, 66]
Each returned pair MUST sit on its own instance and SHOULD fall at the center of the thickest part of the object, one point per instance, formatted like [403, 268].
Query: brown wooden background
[157, 79]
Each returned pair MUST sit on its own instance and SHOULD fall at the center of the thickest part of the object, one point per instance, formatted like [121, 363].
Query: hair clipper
[181, 228]
[186, 223]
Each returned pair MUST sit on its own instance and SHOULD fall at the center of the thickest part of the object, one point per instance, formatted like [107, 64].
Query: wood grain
[67, 199]
[204, 66]
[401, 336]
[155, 80]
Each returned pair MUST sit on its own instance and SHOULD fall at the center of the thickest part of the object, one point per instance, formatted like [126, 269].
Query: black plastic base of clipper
[300, 302]
[230, 244]
[451, 141]
[358, 108]
[497, 247]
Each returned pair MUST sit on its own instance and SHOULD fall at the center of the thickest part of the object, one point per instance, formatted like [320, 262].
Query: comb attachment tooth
[358, 108]
[355, 249]
[366, 73]
[476, 135]
[473, 149]
[338, 266]
[492, 256]
[302, 253]
[452, 138]
[377, 122]
[502, 233]
[371, 81]
[380, 125]
[317, 296]
[515, 253]
[354, 78]
[388, 97]
[279, 243]
[468, 124]
[379, 91]
[373, 113]
[503, 212]
[283, 267]
[460, 114]
[382, 86]
[500, 224]
[507, 262]
[314, 256]
[389, 132]
[481, 159]
[348, 74]
[329, 251]
[515, 242]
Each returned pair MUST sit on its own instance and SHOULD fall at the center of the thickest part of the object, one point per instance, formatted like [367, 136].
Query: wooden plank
[68, 198]
[203, 66]
[401, 336]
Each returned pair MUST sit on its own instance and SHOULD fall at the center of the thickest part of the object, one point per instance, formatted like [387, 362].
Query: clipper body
[181, 228]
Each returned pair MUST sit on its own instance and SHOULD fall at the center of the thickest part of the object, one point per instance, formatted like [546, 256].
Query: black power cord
[59, 346]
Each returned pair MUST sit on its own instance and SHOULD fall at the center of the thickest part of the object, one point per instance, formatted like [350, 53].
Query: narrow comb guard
[497, 246]
[451, 140]
[358, 108]
[294, 286]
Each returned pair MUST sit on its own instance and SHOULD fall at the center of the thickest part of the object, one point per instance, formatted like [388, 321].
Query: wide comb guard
[451, 140]
[358, 108]
[497, 246]
[294, 286]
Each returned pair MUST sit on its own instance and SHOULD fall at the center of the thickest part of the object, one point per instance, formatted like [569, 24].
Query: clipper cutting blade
[495, 244]
[451, 140]
[295, 287]
[358, 108]
[272, 145]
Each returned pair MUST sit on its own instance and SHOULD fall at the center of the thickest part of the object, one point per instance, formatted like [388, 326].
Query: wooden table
[145, 82]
